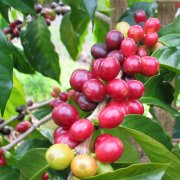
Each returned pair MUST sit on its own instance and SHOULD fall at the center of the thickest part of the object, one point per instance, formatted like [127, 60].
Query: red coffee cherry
[139, 16]
[7, 30]
[81, 130]
[150, 66]
[110, 117]
[136, 32]
[151, 25]
[128, 47]
[151, 39]
[114, 39]
[65, 139]
[78, 77]
[45, 176]
[65, 115]
[94, 90]
[135, 107]
[99, 139]
[85, 104]
[109, 150]
[117, 89]
[95, 67]
[136, 89]
[2, 161]
[142, 51]
[1, 152]
[54, 94]
[76, 96]
[118, 55]
[63, 96]
[123, 108]
[132, 65]
[54, 103]
[99, 50]
[59, 131]
[23, 126]
[109, 68]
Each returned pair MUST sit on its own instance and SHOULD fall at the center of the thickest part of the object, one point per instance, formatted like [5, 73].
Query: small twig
[8, 122]
[29, 131]
[103, 17]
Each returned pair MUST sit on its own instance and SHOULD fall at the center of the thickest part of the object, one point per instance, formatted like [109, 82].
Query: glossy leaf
[149, 171]
[39, 49]
[172, 28]
[22, 5]
[42, 112]
[148, 127]
[161, 104]
[20, 62]
[4, 11]
[168, 58]
[59, 175]
[47, 133]
[33, 164]
[131, 3]
[8, 172]
[6, 69]
[172, 40]
[148, 7]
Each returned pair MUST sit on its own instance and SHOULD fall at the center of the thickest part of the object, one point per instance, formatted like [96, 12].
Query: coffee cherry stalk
[111, 89]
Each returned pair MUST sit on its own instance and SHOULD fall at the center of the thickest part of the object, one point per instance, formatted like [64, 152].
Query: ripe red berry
[114, 39]
[1, 152]
[99, 139]
[95, 67]
[54, 103]
[117, 89]
[99, 50]
[15, 32]
[109, 150]
[63, 96]
[128, 47]
[85, 104]
[65, 115]
[151, 25]
[45, 176]
[78, 77]
[109, 68]
[123, 108]
[150, 66]
[81, 130]
[136, 89]
[139, 16]
[7, 30]
[118, 55]
[136, 32]
[59, 131]
[2, 161]
[135, 107]
[76, 96]
[65, 139]
[110, 117]
[23, 126]
[94, 90]
[142, 51]
[151, 39]
[54, 94]
[132, 65]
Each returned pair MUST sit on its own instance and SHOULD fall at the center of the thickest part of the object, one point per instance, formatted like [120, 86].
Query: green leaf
[73, 38]
[172, 28]
[168, 58]
[100, 30]
[131, 3]
[16, 99]
[148, 127]
[39, 49]
[4, 11]
[29, 145]
[59, 175]
[104, 6]
[153, 149]
[22, 5]
[172, 40]
[149, 171]
[161, 104]
[176, 130]
[20, 61]
[42, 112]
[148, 7]
[6, 69]
[48, 133]
[90, 7]
[7, 173]
[33, 164]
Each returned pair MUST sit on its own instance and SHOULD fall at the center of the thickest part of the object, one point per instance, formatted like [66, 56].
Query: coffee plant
[105, 125]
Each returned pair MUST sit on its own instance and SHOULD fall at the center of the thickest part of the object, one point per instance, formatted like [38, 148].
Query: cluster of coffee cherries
[125, 51]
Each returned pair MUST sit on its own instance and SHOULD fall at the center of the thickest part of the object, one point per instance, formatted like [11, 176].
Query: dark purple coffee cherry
[99, 50]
